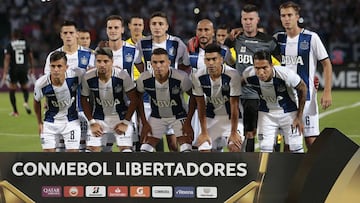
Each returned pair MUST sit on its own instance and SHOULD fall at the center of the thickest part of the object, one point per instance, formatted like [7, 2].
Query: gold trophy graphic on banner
[10, 194]
[251, 192]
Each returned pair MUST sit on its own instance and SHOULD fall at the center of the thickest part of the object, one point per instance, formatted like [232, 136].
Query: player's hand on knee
[234, 143]
[203, 137]
[96, 129]
[121, 128]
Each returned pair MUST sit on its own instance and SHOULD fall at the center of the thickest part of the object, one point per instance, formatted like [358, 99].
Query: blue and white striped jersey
[61, 101]
[197, 57]
[277, 94]
[82, 59]
[124, 58]
[217, 92]
[166, 99]
[301, 54]
[175, 47]
[109, 97]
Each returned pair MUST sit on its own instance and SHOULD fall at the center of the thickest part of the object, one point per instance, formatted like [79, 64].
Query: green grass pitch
[20, 134]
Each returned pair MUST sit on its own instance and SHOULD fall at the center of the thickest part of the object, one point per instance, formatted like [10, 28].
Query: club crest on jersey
[118, 88]
[243, 49]
[171, 51]
[225, 87]
[175, 90]
[129, 58]
[281, 88]
[304, 45]
[84, 61]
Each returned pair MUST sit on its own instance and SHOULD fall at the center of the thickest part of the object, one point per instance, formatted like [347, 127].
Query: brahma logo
[51, 191]
[95, 191]
[184, 192]
[162, 192]
[206, 192]
[73, 191]
[140, 191]
[117, 191]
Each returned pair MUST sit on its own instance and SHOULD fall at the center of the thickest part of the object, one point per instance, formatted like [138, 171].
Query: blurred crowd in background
[336, 21]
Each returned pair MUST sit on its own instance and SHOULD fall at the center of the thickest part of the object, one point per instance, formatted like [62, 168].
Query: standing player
[282, 98]
[136, 27]
[78, 58]
[59, 87]
[222, 33]
[176, 49]
[18, 57]
[111, 113]
[124, 54]
[165, 87]
[301, 49]
[246, 44]
[196, 45]
[84, 38]
[217, 90]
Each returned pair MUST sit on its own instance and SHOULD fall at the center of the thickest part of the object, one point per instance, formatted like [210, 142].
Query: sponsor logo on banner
[51, 191]
[184, 192]
[95, 191]
[117, 191]
[73, 191]
[206, 192]
[162, 191]
[140, 191]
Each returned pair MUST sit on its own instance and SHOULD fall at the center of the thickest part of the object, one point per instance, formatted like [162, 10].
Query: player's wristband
[92, 121]
[126, 122]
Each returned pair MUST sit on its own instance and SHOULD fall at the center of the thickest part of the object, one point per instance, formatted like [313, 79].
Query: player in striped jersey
[301, 49]
[111, 113]
[176, 50]
[165, 87]
[78, 57]
[196, 45]
[246, 44]
[159, 38]
[282, 98]
[217, 90]
[60, 88]
[124, 55]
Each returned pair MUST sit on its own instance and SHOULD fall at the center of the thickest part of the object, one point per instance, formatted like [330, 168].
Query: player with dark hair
[222, 32]
[115, 101]
[78, 57]
[18, 58]
[61, 121]
[166, 87]
[177, 52]
[217, 90]
[84, 38]
[246, 44]
[282, 98]
[301, 49]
